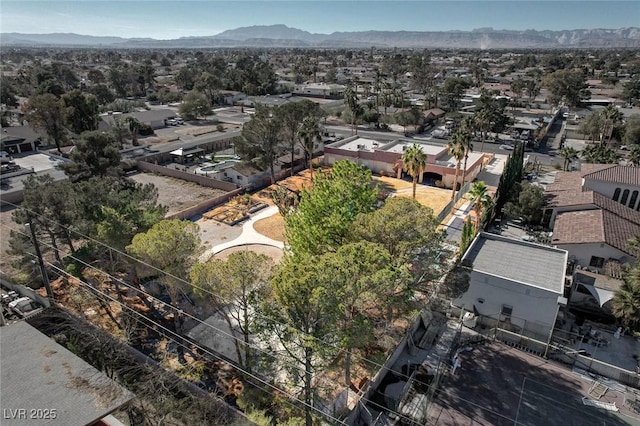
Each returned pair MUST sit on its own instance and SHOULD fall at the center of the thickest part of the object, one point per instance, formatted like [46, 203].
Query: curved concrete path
[248, 236]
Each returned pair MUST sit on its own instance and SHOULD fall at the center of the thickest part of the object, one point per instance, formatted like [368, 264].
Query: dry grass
[272, 227]
[429, 196]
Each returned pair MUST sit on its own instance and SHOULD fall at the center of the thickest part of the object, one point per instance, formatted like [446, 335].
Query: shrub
[220, 128]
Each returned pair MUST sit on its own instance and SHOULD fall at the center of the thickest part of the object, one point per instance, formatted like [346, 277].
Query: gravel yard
[177, 194]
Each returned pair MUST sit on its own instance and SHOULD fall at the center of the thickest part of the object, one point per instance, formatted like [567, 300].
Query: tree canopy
[323, 218]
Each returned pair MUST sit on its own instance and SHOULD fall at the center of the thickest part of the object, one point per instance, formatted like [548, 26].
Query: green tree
[591, 126]
[409, 232]
[469, 129]
[51, 206]
[81, 111]
[291, 116]
[528, 204]
[414, 160]
[455, 148]
[634, 155]
[351, 99]
[631, 91]
[482, 119]
[170, 245]
[452, 90]
[600, 154]
[302, 311]
[233, 286]
[610, 117]
[324, 216]
[626, 301]
[567, 85]
[134, 128]
[8, 93]
[47, 112]
[569, 154]
[632, 130]
[195, 105]
[95, 154]
[481, 200]
[365, 280]
[309, 134]
[260, 140]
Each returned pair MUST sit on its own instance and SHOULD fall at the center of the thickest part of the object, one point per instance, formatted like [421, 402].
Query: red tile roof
[618, 174]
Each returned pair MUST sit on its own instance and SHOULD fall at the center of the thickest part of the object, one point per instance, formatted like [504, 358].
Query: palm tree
[468, 126]
[455, 147]
[481, 200]
[634, 156]
[611, 116]
[569, 154]
[309, 134]
[483, 122]
[134, 126]
[626, 301]
[414, 160]
[351, 99]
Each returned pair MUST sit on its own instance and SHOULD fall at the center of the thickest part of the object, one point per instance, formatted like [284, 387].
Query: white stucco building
[516, 282]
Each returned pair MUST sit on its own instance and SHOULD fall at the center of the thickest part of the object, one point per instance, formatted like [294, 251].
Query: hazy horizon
[167, 19]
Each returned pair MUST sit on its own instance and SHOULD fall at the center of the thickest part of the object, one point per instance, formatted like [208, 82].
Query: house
[324, 90]
[20, 139]
[620, 183]
[156, 118]
[45, 383]
[586, 212]
[433, 114]
[386, 157]
[514, 281]
[231, 97]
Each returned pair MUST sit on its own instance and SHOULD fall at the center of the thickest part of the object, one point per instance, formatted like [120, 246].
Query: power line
[340, 350]
[207, 351]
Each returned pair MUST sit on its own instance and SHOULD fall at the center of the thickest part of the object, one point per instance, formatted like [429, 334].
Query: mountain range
[284, 36]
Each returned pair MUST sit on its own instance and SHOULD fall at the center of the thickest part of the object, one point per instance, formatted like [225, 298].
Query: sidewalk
[248, 236]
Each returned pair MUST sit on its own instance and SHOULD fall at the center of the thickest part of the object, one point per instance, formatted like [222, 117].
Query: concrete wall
[533, 307]
[190, 177]
[583, 252]
[205, 205]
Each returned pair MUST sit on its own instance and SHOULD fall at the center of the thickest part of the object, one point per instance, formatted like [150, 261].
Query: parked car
[178, 120]
[5, 157]
[507, 147]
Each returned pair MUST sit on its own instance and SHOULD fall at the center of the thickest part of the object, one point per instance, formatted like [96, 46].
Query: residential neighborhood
[319, 234]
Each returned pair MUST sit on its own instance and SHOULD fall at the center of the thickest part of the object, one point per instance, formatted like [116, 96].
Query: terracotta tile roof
[586, 168]
[567, 198]
[595, 226]
[620, 210]
[618, 174]
[566, 181]
[579, 227]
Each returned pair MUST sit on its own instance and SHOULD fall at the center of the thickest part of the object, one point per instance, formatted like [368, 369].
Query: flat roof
[360, 144]
[39, 374]
[528, 263]
[427, 148]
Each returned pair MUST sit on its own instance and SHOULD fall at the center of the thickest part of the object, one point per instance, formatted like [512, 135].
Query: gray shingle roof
[38, 373]
[515, 260]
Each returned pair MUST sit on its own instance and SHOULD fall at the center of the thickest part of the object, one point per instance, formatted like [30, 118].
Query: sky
[168, 19]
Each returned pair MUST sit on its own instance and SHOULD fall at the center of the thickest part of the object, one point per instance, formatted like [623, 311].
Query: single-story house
[156, 118]
[19, 139]
[231, 97]
[386, 157]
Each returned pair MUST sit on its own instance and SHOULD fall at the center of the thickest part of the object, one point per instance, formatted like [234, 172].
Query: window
[625, 196]
[616, 194]
[506, 310]
[634, 198]
[596, 262]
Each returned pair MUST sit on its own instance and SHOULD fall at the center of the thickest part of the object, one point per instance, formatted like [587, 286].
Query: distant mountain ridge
[284, 36]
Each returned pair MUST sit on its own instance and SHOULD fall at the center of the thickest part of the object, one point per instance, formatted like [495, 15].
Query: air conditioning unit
[360, 146]
[404, 148]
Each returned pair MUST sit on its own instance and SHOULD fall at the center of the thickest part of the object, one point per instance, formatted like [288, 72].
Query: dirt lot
[177, 194]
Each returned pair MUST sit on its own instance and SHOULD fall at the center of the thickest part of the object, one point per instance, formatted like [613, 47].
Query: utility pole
[43, 271]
